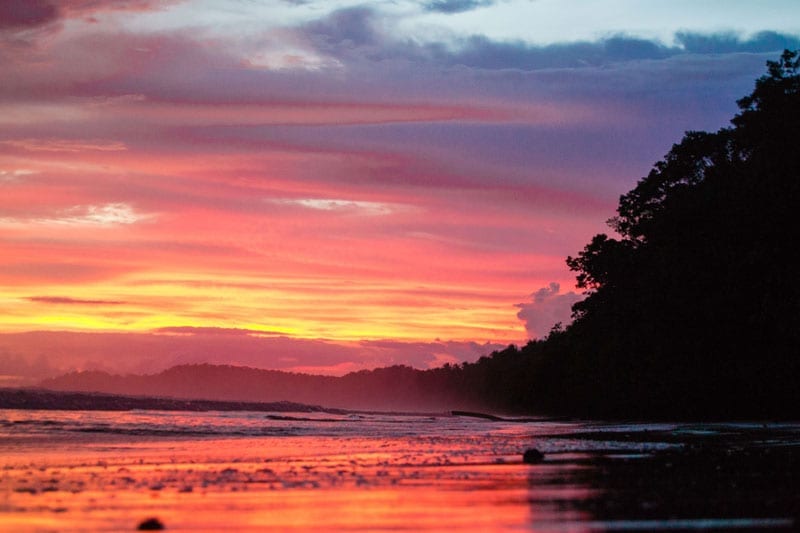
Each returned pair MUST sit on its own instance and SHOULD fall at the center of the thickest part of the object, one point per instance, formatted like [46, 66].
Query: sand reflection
[253, 484]
[85, 471]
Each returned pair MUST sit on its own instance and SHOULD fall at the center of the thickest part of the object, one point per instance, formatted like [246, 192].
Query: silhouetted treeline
[498, 382]
[396, 388]
[693, 309]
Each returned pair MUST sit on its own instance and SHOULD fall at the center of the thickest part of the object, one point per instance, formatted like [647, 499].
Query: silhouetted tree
[693, 308]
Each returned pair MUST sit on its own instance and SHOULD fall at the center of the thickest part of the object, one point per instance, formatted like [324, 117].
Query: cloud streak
[65, 145]
[456, 6]
[112, 214]
[64, 300]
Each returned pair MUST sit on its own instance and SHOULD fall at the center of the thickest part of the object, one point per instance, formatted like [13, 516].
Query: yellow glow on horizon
[309, 308]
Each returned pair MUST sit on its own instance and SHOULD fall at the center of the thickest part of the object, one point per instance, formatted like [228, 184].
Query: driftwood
[495, 418]
[479, 415]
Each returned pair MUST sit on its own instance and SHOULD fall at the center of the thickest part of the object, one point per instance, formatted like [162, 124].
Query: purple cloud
[18, 15]
[547, 307]
[27, 13]
[192, 330]
[32, 356]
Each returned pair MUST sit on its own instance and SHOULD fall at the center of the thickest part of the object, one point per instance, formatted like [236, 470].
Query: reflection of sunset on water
[252, 471]
[409, 471]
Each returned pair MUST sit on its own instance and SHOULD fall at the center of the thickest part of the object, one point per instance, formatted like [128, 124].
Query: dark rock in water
[151, 524]
[532, 456]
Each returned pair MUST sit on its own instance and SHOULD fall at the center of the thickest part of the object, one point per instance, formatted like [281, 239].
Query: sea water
[255, 471]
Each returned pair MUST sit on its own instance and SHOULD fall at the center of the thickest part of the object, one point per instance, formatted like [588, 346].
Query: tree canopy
[692, 309]
[694, 300]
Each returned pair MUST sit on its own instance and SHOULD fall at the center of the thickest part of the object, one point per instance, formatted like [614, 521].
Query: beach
[247, 471]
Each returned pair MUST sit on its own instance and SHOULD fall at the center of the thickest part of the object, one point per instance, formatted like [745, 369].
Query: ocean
[256, 471]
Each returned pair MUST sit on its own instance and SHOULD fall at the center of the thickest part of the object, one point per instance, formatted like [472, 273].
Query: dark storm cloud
[481, 52]
[345, 29]
[361, 33]
[727, 43]
[456, 6]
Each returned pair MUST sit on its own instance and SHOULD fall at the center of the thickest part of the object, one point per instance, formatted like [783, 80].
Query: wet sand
[250, 484]
[450, 475]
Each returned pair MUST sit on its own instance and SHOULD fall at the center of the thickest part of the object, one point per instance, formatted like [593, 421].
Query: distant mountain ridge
[391, 388]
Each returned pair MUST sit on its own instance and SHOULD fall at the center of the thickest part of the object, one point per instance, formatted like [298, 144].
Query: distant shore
[44, 399]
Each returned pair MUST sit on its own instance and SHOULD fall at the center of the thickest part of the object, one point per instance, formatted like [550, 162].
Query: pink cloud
[33, 356]
[65, 145]
[547, 307]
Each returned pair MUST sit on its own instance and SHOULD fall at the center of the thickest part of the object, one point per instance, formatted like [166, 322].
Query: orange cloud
[63, 300]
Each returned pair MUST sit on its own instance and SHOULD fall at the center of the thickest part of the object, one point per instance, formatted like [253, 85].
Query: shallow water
[210, 471]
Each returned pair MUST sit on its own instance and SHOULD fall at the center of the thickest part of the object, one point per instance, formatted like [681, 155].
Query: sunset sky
[326, 185]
